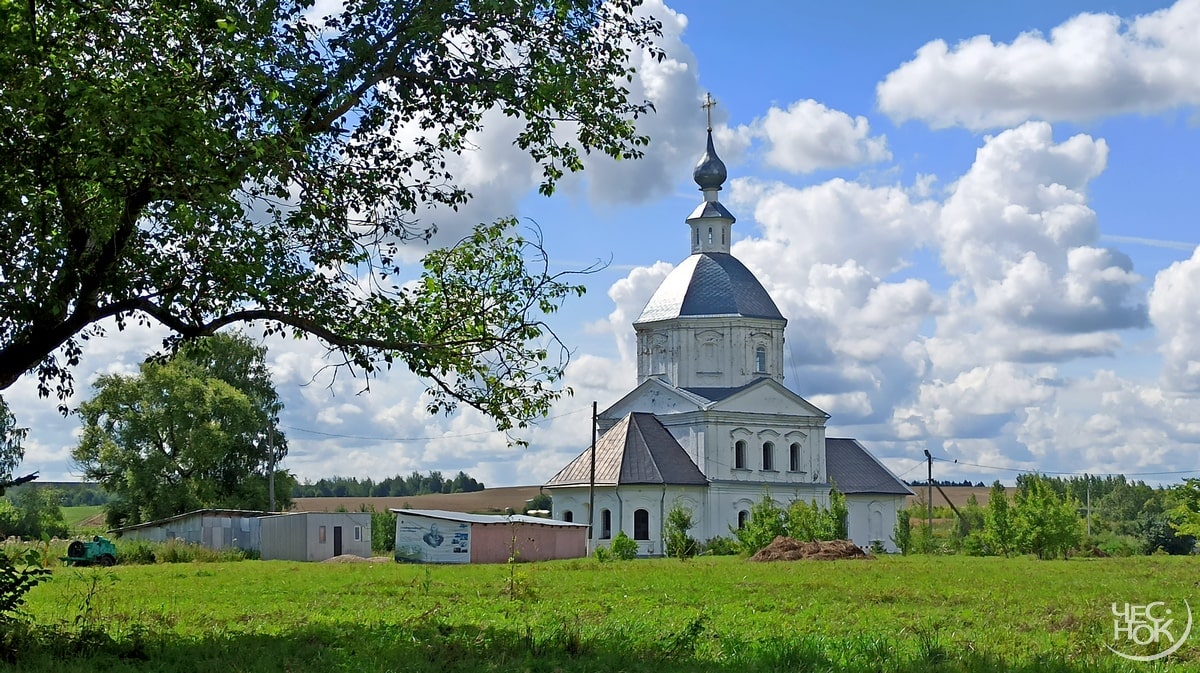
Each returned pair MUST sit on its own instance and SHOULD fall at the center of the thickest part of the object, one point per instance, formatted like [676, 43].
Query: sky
[978, 218]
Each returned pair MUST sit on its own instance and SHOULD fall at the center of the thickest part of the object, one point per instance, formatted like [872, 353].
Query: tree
[1185, 515]
[179, 437]
[220, 163]
[997, 521]
[679, 521]
[767, 521]
[11, 451]
[902, 532]
[1043, 522]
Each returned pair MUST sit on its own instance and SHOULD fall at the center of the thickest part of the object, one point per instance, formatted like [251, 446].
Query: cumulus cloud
[809, 136]
[1175, 312]
[1092, 65]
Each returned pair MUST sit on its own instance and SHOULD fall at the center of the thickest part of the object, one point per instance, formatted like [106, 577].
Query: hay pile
[788, 549]
[351, 558]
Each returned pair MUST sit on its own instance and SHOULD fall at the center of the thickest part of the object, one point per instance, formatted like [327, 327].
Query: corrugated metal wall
[214, 531]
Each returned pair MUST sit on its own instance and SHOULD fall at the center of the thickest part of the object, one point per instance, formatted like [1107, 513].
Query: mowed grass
[709, 614]
[73, 516]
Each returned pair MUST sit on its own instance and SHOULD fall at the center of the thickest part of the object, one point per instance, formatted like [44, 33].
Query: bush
[623, 548]
[383, 532]
[766, 522]
[902, 533]
[135, 552]
[16, 581]
[720, 546]
[679, 522]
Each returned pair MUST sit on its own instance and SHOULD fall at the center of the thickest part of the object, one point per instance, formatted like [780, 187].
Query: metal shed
[437, 536]
[211, 528]
[315, 536]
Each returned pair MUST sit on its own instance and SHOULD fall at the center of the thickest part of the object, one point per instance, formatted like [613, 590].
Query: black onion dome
[710, 171]
[710, 284]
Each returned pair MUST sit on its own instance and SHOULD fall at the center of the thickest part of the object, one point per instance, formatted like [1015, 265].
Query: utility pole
[592, 483]
[929, 498]
[271, 465]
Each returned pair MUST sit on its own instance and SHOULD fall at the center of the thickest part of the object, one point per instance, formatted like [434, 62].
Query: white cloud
[1175, 312]
[809, 136]
[1092, 65]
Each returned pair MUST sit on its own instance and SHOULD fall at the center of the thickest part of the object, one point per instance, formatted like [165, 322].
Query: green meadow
[918, 613]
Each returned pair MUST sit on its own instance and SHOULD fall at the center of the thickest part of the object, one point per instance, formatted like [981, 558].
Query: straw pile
[788, 549]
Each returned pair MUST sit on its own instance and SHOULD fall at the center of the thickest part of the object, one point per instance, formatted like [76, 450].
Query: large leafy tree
[208, 163]
[194, 431]
[11, 450]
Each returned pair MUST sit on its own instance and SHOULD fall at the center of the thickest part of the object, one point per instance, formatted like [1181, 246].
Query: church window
[568, 516]
[605, 524]
[739, 455]
[697, 232]
[641, 524]
[794, 455]
[743, 519]
[722, 235]
[768, 462]
[760, 360]
[710, 236]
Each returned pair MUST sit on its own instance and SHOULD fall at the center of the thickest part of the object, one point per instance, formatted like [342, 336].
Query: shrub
[135, 552]
[766, 522]
[623, 548]
[720, 546]
[902, 533]
[679, 522]
[383, 532]
[16, 581]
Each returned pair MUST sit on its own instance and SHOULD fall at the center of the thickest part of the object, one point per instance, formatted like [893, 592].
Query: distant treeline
[69, 493]
[397, 486]
[946, 482]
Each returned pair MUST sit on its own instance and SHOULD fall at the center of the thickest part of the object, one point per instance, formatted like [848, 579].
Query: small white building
[315, 536]
[215, 529]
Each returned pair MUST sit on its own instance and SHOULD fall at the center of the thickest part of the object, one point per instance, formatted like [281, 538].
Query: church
[710, 425]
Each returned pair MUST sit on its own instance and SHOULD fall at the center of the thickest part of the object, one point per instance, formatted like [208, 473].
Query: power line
[1074, 474]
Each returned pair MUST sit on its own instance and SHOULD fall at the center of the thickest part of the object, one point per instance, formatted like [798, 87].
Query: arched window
[641, 524]
[739, 455]
[710, 236]
[743, 519]
[794, 457]
[722, 235]
[605, 524]
[697, 232]
[760, 360]
[768, 456]
[568, 516]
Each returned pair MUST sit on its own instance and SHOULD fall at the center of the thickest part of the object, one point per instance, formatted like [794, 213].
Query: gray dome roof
[710, 170]
[710, 283]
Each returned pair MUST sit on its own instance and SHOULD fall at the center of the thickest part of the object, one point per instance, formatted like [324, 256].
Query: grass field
[83, 514]
[708, 614]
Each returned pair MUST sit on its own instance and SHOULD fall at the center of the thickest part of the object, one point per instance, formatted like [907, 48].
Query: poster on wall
[422, 539]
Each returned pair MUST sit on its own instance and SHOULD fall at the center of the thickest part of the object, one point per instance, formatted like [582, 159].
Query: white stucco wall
[873, 517]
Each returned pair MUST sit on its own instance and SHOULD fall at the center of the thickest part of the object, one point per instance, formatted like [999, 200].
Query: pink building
[437, 536]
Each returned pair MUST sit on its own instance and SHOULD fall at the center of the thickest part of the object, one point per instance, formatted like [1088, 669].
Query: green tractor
[100, 551]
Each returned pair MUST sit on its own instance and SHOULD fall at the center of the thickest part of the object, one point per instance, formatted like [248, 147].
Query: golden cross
[708, 106]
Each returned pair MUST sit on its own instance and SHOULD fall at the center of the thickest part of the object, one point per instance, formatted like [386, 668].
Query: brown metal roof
[637, 450]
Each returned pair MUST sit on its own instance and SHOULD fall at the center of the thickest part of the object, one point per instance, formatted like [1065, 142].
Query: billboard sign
[421, 539]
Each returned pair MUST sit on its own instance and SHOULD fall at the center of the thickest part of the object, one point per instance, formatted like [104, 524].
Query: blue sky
[976, 216]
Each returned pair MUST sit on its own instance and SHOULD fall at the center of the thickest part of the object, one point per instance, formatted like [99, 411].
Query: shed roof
[637, 450]
[487, 518]
[203, 512]
[854, 470]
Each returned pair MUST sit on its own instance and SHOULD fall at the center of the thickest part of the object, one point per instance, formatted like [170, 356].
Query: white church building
[710, 425]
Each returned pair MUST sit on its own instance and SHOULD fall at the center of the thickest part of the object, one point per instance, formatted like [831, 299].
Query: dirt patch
[788, 549]
[351, 558]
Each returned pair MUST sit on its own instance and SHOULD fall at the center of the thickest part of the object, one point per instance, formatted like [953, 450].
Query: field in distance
[487, 500]
[725, 614]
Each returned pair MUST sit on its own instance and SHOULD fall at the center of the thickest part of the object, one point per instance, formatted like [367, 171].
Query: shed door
[337, 540]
